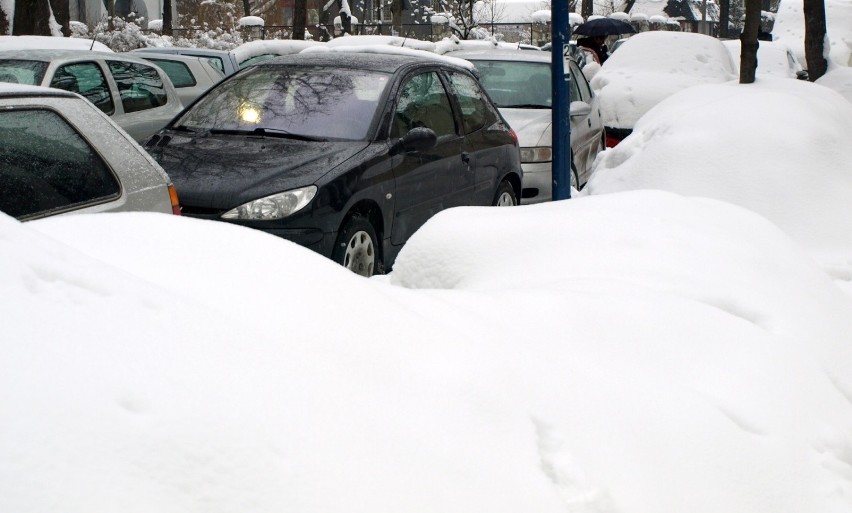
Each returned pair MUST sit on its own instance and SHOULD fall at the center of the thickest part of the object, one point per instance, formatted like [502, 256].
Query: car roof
[52, 55]
[382, 62]
[501, 55]
[10, 90]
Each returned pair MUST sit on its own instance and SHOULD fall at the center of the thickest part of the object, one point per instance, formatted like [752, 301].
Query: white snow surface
[387, 48]
[257, 47]
[50, 43]
[838, 78]
[778, 147]
[251, 21]
[651, 66]
[676, 338]
[789, 27]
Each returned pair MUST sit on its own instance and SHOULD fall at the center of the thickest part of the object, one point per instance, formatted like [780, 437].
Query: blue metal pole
[561, 35]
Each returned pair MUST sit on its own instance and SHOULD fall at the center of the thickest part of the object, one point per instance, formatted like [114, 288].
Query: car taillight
[611, 141]
[174, 199]
[616, 135]
[514, 136]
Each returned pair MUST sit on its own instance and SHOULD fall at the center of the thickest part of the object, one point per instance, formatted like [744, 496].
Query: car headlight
[536, 154]
[275, 206]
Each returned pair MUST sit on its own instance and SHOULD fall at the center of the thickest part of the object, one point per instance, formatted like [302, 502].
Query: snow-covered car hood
[531, 125]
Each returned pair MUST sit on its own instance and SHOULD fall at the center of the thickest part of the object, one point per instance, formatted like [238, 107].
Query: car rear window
[46, 166]
[178, 72]
[19, 71]
[140, 86]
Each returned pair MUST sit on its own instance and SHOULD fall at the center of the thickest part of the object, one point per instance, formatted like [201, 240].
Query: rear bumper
[616, 135]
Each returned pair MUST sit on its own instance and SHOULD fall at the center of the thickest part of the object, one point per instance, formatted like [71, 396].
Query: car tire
[505, 196]
[357, 247]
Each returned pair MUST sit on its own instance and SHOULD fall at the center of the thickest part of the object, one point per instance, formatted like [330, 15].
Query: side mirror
[579, 109]
[417, 139]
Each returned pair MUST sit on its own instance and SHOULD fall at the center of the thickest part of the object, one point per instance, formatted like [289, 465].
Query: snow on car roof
[389, 49]
[49, 42]
[271, 46]
[12, 89]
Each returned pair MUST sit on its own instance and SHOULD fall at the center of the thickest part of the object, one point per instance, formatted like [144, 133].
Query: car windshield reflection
[304, 103]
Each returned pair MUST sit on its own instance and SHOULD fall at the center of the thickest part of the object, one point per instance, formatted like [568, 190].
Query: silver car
[519, 83]
[60, 154]
[225, 60]
[137, 95]
[190, 75]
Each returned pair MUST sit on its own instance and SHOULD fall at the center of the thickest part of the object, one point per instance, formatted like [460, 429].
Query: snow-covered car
[138, 95]
[651, 66]
[190, 75]
[260, 50]
[774, 58]
[519, 84]
[61, 154]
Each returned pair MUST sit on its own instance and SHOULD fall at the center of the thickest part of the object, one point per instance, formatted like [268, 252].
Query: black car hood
[224, 171]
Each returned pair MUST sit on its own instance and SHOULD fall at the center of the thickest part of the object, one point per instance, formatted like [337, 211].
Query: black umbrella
[604, 27]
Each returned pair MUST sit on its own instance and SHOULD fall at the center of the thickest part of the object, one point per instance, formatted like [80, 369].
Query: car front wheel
[505, 196]
[357, 247]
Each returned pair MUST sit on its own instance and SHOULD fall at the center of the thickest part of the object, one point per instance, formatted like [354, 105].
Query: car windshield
[311, 103]
[516, 84]
[22, 71]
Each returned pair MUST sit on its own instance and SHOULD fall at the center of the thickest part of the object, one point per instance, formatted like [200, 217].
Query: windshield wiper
[182, 128]
[272, 132]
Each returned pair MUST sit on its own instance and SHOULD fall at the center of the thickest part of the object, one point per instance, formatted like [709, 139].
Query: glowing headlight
[276, 206]
[536, 154]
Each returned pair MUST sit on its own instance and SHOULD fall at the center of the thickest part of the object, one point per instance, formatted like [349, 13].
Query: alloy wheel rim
[505, 200]
[360, 256]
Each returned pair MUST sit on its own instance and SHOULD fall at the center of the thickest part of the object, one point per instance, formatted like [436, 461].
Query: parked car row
[374, 146]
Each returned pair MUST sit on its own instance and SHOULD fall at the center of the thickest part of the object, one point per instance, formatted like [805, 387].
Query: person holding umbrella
[597, 45]
[596, 32]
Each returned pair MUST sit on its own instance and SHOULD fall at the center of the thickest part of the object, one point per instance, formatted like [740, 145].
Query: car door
[146, 105]
[424, 180]
[89, 80]
[586, 126]
[483, 149]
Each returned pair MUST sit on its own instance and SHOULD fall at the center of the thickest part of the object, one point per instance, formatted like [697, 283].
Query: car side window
[177, 72]
[476, 112]
[45, 165]
[87, 79]
[585, 92]
[140, 86]
[423, 102]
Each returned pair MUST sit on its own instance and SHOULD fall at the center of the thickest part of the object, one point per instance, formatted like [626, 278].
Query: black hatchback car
[344, 153]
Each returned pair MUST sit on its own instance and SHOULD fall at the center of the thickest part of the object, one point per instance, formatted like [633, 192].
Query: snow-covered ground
[676, 338]
[789, 28]
[686, 349]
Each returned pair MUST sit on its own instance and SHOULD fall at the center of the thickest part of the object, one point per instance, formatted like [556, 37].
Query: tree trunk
[587, 8]
[31, 18]
[629, 5]
[396, 16]
[300, 15]
[724, 18]
[246, 8]
[167, 18]
[4, 22]
[345, 19]
[815, 30]
[748, 40]
[62, 13]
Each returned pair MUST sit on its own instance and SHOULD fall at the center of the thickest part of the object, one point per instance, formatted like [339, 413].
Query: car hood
[224, 171]
[532, 126]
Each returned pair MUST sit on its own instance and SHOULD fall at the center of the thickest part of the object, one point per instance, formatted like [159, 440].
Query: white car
[519, 83]
[651, 66]
[60, 154]
[137, 95]
[190, 75]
